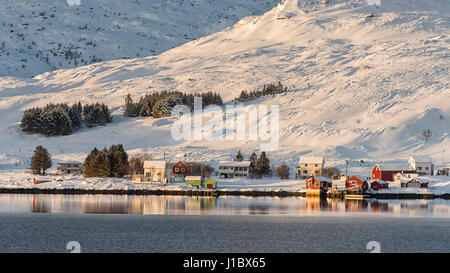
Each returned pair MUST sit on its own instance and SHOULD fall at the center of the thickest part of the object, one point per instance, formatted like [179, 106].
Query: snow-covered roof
[380, 182]
[311, 160]
[70, 162]
[234, 163]
[394, 166]
[421, 159]
[323, 178]
[192, 178]
[158, 164]
[420, 180]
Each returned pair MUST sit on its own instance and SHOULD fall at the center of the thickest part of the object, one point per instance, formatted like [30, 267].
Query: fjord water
[108, 223]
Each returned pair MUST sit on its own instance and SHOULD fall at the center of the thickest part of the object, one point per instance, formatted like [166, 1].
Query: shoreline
[209, 193]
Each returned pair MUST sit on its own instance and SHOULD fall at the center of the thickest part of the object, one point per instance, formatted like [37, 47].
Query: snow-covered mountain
[365, 82]
[41, 36]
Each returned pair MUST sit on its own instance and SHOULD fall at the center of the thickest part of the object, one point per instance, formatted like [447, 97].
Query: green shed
[195, 181]
[210, 184]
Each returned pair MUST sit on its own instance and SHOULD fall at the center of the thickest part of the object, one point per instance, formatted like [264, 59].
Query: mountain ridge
[384, 66]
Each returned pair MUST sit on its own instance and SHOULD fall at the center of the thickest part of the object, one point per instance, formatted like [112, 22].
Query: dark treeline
[270, 89]
[112, 162]
[62, 119]
[160, 104]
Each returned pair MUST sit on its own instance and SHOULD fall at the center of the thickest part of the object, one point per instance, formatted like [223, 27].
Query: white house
[156, 171]
[230, 169]
[310, 166]
[423, 165]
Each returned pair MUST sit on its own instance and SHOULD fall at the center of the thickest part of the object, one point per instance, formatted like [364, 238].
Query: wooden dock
[356, 196]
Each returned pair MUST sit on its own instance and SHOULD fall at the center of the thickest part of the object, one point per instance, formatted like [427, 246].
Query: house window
[245, 169]
[317, 165]
[305, 171]
[426, 168]
[317, 172]
[419, 168]
[177, 170]
[147, 174]
[306, 165]
[183, 170]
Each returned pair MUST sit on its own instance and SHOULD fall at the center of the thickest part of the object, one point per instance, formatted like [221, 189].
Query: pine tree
[130, 107]
[41, 160]
[239, 156]
[118, 159]
[90, 169]
[263, 164]
[253, 163]
[102, 164]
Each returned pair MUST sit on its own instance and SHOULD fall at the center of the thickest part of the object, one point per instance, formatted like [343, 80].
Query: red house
[318, 185]
[414, 183]
[179, 169]
[379, 184]
[387, 172]
[357, 182]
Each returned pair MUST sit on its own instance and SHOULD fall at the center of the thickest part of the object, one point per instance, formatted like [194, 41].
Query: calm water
[102, 223]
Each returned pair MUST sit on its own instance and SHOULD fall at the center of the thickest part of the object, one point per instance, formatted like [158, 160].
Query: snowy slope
[386, 66]
[41, 36]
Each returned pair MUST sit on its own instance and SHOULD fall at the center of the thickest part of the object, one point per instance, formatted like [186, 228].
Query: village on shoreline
[415, 179]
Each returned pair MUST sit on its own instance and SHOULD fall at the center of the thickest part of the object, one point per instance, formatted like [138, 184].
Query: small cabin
[210, 184]
[379, 184]
[414, 183]
[72, 167]
[357, 183]
[317, 185]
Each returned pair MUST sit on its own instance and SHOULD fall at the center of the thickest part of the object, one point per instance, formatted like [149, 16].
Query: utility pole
[346, 168]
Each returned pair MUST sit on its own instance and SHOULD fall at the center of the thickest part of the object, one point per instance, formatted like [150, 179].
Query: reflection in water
[228, 205]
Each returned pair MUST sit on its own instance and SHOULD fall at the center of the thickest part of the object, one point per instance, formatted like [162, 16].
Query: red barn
[357, 182]
[414, 183]
[379, 184]
[318, 184]
[387, 172]
[179, 169]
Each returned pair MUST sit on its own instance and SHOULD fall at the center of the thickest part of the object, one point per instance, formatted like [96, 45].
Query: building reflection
[379, 206]
[356, 205]
[235, 205]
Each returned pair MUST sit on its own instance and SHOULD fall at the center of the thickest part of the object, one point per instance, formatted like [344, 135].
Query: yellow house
[309, 166]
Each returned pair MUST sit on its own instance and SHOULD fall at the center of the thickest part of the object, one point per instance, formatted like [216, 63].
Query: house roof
[311, 160]
[421, 159]
[394, 166]
[323, 178]
[359, 177]
[70, 162]
[193, 178]
[234, 163]
[158, 164]
[380, 182]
